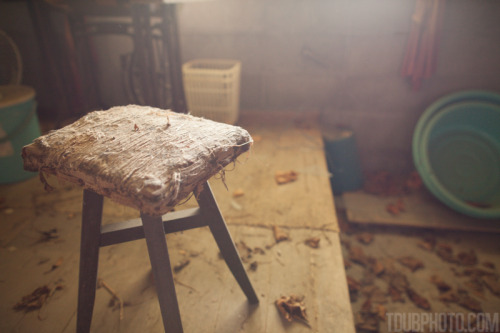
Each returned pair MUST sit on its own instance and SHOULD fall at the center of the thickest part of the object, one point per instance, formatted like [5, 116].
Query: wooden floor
[209, 298]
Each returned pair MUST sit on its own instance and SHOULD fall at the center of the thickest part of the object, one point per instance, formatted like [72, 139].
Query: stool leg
[89, 256]
[162, 272]
[219, 230]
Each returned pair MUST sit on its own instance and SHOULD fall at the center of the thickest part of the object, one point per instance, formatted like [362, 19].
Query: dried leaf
[396, 295]
[48, 235]
[467, 259]
[180, 265]
[489, 264]
[417, 299]
[428, 243]
[37, 298]
[312, 242]
[376, 266]
[469, 303]
[357, 255]
[381, 312]
[283, 177]
[244, 251]
[412, 263]
[56, 265]
[492, 283]
[440, 284]
[279, 235]
[446, 253]
[352, 284]
[365, 237]
[476, 285]
[449, 296]
[292, 308]
[253, 266]
[238, 193]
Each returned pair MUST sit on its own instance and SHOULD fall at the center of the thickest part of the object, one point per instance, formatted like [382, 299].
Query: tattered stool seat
[149, 159]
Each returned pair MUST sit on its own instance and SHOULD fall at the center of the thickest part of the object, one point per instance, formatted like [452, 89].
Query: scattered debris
[284, 177]
[476, 285]
[411, 262]
[367, 319]
[395, 208]
[396, 295]
[244, 251]
[48, 235]
[253, 266]
[55, 265]
[180, 265]
[101, 283]
[258, 250]
[384, 183]
[492, 283]
[375, 295]
[312, 242]
[8, 211]
[381, 311]
[364, 238]
[43, 261]
[279, 235]
[357, 255]
[428, 243]
[236, 205]
[376, 266]
[467, 259]
[489, 264]
[39, 297]
[448, 296]
[256, 138]
[468, 302]
[238, 193]
[354, 287]
[446, 253]
[440, 284]
[292, 308]
[417, 299]
[414, 182]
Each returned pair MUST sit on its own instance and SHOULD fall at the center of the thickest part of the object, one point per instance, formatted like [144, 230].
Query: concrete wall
[343, 58]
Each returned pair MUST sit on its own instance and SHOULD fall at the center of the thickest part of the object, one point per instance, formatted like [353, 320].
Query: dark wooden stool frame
[153, 228]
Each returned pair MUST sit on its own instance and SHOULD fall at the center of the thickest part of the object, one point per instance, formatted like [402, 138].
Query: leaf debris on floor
[292, 308]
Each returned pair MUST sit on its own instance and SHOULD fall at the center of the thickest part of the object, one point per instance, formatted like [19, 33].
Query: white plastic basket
[212, 88]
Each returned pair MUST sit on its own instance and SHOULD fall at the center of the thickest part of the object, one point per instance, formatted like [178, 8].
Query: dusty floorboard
[421, 211]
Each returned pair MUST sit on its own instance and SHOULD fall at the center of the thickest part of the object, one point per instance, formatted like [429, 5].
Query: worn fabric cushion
[143, 157]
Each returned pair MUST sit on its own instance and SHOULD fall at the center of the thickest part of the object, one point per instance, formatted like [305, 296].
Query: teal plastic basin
[456, 151]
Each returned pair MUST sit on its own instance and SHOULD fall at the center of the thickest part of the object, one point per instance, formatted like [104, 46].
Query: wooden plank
[282, 142]
[421, 210]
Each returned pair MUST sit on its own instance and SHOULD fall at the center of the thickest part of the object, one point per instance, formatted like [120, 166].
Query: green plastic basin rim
[466, 95]
[430, 180]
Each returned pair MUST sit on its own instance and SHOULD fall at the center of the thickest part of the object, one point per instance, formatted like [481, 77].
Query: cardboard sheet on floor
[421, 210]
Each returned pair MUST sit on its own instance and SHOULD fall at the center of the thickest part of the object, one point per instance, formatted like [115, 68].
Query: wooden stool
[120, 154]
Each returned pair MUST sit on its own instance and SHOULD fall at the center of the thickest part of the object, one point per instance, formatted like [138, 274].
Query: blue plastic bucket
[18, 127]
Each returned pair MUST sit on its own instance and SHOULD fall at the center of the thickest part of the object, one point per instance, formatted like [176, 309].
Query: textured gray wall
[343, 59]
